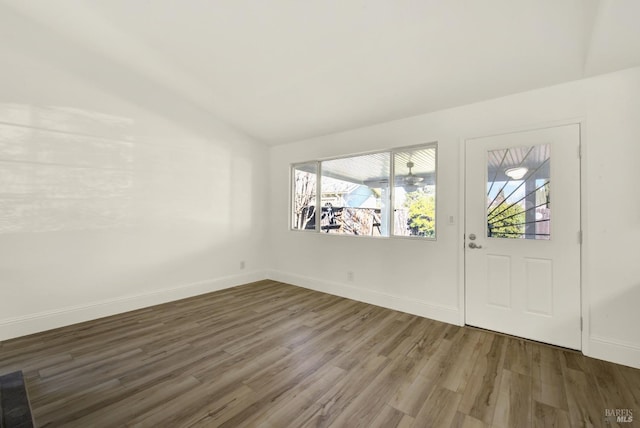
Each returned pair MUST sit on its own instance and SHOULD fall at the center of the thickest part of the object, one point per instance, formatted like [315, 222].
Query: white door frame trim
[584, 289]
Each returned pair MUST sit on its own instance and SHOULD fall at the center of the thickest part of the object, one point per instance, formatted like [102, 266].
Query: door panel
[499, 280]
[539, 284]
[522, 224]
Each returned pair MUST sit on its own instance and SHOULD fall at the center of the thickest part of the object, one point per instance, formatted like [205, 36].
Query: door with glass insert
[522, 234]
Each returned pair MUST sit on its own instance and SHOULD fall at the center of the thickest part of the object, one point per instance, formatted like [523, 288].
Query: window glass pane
[415, 192]
[354, 195]
[518, 198]
[304, 196]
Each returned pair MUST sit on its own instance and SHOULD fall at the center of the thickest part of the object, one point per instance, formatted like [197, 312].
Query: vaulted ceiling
[286, 70]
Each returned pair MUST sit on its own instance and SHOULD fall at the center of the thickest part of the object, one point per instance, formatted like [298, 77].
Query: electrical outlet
[242, 264]
[350, 276]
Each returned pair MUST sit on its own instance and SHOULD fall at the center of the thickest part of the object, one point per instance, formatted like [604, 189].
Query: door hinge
[580, 237]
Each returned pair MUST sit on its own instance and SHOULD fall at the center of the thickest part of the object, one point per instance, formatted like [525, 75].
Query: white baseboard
[606, 349]
[42, 321]
[442, 313]
[624, 353]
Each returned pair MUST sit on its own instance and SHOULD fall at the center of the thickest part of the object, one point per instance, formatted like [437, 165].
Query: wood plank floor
[274, 355]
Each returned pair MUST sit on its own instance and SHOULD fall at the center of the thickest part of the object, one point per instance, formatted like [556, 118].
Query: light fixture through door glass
[516, 173]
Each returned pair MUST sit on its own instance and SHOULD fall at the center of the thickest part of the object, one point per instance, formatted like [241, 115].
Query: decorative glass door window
[518, 192]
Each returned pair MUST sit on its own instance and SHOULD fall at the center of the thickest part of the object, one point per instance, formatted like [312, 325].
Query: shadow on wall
[70, 169]
[56, 176]
[114, 181]
[100, 134]
[91, 212]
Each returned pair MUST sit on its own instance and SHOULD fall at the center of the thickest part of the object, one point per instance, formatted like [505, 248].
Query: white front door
[522, 234]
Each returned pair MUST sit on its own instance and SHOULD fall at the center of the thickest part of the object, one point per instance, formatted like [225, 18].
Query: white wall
[116, 192]
[119, 190]
[424, 277]
[612, 207]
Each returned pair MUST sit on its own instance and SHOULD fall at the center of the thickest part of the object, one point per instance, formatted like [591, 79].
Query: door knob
[475, 246]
